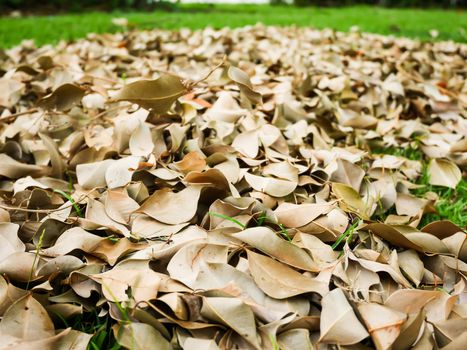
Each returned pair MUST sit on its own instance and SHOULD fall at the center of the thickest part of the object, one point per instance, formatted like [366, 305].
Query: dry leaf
[158, 94]
[279, 281]
[383, 324]
[172, 208]
[244, 83]
[338, 324]
[443, 172]
[140, 336]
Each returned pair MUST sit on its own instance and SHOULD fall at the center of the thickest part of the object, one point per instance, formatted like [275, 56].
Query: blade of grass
[275, 344]
[71, 200]
[38, 247]
[262, 218]
[284, 232]
[226, 217]
[348, 232]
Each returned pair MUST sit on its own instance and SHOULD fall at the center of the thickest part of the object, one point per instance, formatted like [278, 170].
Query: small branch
[192, 84]
[13, 116]
[113, 109]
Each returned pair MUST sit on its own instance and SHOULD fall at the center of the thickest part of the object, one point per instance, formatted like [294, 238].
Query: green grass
[413, 23]
[452, 203]
[100, 327]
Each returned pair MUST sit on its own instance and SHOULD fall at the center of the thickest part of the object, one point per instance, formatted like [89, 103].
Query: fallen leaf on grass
[443, 172]
[140, 336]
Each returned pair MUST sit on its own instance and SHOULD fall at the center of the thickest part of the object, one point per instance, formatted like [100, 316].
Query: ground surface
[413, 23]
[222, 189]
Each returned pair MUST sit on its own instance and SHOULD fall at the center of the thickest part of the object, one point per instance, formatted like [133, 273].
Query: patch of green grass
[101, 328]
[415, 23]
[406, 152]
[452, 204]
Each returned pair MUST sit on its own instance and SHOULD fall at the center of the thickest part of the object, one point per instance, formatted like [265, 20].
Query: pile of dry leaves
[223, 190]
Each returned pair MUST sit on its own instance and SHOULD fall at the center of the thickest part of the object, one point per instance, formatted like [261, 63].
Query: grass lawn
[412, 23]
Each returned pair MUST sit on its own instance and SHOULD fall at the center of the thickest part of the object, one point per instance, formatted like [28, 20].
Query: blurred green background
[49, 21]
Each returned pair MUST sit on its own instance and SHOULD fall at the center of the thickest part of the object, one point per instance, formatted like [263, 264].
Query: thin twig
[40, 211]
[13, 116]
[95, 77]
[192, 84]
[113, 109]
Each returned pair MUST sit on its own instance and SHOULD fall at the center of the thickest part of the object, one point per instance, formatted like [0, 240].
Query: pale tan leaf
[244, 83]
[411, 300]
[120, 172]
[298, 338]
[412, 266]
[27, 320]
[349, 174]
[21, 266]
[9, 241]
[443, 172]
[233, 313]
[197, 343]
[297, 215]
[144, 284]
[74, 238]
[140, 336]
[172, 208]
[73, 340]
[185, 265]
[264, 239]
[91, 175]
[383, 323]
[408, 237]
[141, 143]
[270, 185]
[409, 331]
[338, 323]
[280, 281]
[58, 164]
[13, 169]
[119, 206]
[225, 109]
